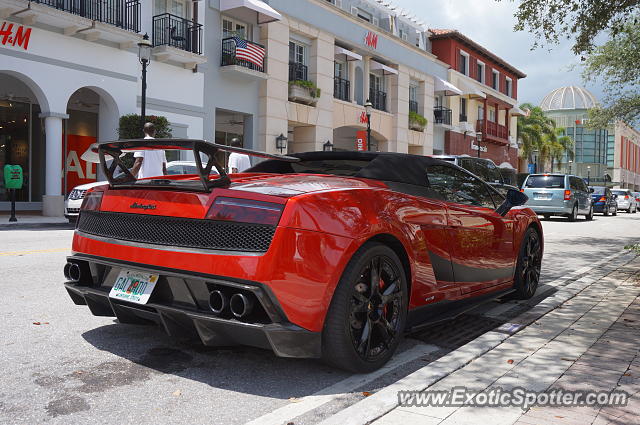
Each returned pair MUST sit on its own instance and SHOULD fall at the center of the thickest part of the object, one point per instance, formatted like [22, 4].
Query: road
[61, 365]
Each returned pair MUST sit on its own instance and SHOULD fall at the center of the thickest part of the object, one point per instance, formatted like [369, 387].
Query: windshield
[549, 182]
[620, 192]
[598, 190]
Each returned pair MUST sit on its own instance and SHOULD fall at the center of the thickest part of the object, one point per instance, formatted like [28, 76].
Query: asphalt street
[61, 365]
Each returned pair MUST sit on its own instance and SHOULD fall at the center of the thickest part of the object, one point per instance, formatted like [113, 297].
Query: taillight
[245, 211]
[567, 195]
[626, 196]
[522, 190]
[603, 199]
[92, 201]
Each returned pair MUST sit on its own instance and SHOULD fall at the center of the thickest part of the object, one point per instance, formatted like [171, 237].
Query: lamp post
[478, 140]
[570, 164]
[588, 175]
[281, 142]
[368, 107]
[144, 56]
[327, 147]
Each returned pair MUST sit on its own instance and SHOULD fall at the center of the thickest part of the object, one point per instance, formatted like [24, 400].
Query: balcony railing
[463, 118]
[298, 72]
[341, 89]
[493, 129]
[174, 31]
[442, 115]
[378, 99]
[244, 53]
[413, 106]
[123, 14]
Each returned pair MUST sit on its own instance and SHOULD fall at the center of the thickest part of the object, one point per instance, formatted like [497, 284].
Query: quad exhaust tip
[72, 272]
[241, 305]
[217, 301]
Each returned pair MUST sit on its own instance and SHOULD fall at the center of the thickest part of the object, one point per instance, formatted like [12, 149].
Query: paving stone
[402, 417]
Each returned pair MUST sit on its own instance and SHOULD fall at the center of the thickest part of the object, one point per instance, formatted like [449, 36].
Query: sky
[490, 24]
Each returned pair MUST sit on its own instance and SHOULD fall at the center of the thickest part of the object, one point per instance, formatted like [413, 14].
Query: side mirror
[514, 198]
[615, 196]
[591, 190]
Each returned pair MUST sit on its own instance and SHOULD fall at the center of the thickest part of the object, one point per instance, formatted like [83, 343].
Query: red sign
[371, 40]
[19, 38]
[363, 118]
[361, 140]
[78, 171]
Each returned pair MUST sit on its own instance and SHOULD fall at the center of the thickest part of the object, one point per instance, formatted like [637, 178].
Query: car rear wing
[204, 155]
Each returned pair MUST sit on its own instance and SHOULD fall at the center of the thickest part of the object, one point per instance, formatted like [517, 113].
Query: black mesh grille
[174, 231]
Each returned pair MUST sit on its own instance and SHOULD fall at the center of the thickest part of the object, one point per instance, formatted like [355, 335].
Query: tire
[547, 217]
[606, 211]
[574, 213]
[527, 275]
[357, 307]
[589, 216]
[615, 212]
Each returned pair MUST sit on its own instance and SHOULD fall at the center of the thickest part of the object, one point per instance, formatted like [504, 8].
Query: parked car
[484, 168]
[331, 255]
[626, 200]
[604, 201]
[77, 194]
[558, 195]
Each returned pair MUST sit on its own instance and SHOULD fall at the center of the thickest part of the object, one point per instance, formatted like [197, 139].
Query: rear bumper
[179, 304]
[551, 209]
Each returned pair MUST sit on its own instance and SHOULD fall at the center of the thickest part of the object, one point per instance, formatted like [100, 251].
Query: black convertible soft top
[385, 166]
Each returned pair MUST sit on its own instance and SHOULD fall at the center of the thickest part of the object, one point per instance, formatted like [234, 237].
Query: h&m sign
[14, 35]
[371, 39]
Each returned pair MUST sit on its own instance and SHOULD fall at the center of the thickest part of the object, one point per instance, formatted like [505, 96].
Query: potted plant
[303, 91]
[416, 121]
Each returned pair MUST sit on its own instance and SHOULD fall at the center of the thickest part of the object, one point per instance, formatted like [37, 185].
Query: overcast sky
[490, 23]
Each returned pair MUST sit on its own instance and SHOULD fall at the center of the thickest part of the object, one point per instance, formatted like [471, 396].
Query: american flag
[249, 52]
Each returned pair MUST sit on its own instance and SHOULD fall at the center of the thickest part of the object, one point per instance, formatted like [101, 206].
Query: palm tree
[538, 133]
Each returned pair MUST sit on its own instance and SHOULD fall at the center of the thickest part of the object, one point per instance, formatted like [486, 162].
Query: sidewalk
[32, 221]
[585, 337]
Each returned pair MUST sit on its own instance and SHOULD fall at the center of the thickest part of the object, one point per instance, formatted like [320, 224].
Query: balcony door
[178, 8]
[234, 28]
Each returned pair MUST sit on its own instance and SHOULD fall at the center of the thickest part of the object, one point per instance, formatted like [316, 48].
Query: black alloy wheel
[367, 317]
[589, 216]
[606, 211]
[527, 276]
[574, 213]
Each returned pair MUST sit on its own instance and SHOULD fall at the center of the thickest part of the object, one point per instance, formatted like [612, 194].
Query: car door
[482, 246]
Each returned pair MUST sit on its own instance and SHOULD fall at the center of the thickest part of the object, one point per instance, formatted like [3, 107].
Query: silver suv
[626, 200]
[558, 194]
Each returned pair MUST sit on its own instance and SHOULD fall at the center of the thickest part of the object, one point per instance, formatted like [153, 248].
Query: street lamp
[281, 142]
[144, 56]
[478, 140]
[588, 175]
[368, 107]
[327, 147]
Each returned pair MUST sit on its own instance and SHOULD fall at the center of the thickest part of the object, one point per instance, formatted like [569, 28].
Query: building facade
[625, 166]
[480, 117]
[568, 107]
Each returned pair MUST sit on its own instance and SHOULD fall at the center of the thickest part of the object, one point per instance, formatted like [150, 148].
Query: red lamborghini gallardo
[332, 255]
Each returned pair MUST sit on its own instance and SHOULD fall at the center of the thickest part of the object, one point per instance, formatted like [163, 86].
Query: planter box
[416, 126]
[301, 95]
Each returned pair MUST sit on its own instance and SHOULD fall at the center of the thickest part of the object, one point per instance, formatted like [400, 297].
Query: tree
[130, 126]
[615, 64]
[537, 133]
[577, 20]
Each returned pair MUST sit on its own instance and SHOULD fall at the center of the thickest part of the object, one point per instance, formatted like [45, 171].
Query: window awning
[470, 90]
[446, 87]
[515, 111]
[377, 66]
[506, 165]
[247, 10]
[350, 56]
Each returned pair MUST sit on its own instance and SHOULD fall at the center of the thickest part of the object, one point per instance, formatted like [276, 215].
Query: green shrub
[418, 119]
[130, 127]
[313, 89]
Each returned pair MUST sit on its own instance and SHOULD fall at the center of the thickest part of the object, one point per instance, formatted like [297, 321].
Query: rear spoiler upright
[115, 149]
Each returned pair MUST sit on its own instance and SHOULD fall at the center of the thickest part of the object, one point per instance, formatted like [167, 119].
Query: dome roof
[570, 97]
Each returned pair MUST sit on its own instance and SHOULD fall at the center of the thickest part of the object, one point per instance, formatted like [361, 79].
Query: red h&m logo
[20, 38]
[363, 118]
[371, 40]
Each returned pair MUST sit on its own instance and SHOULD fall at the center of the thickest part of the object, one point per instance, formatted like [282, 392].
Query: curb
[33, 226]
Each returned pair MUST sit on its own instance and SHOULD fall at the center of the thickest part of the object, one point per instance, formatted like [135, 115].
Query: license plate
[542, 196]
[133, 286]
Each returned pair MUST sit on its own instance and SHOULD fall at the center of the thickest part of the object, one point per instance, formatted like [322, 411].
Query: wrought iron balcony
[413, 106]
[442, 115]
[298, 71]
[341, 89]
[174, 31]
[123, 14]
[239, 52]
[378, 99]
